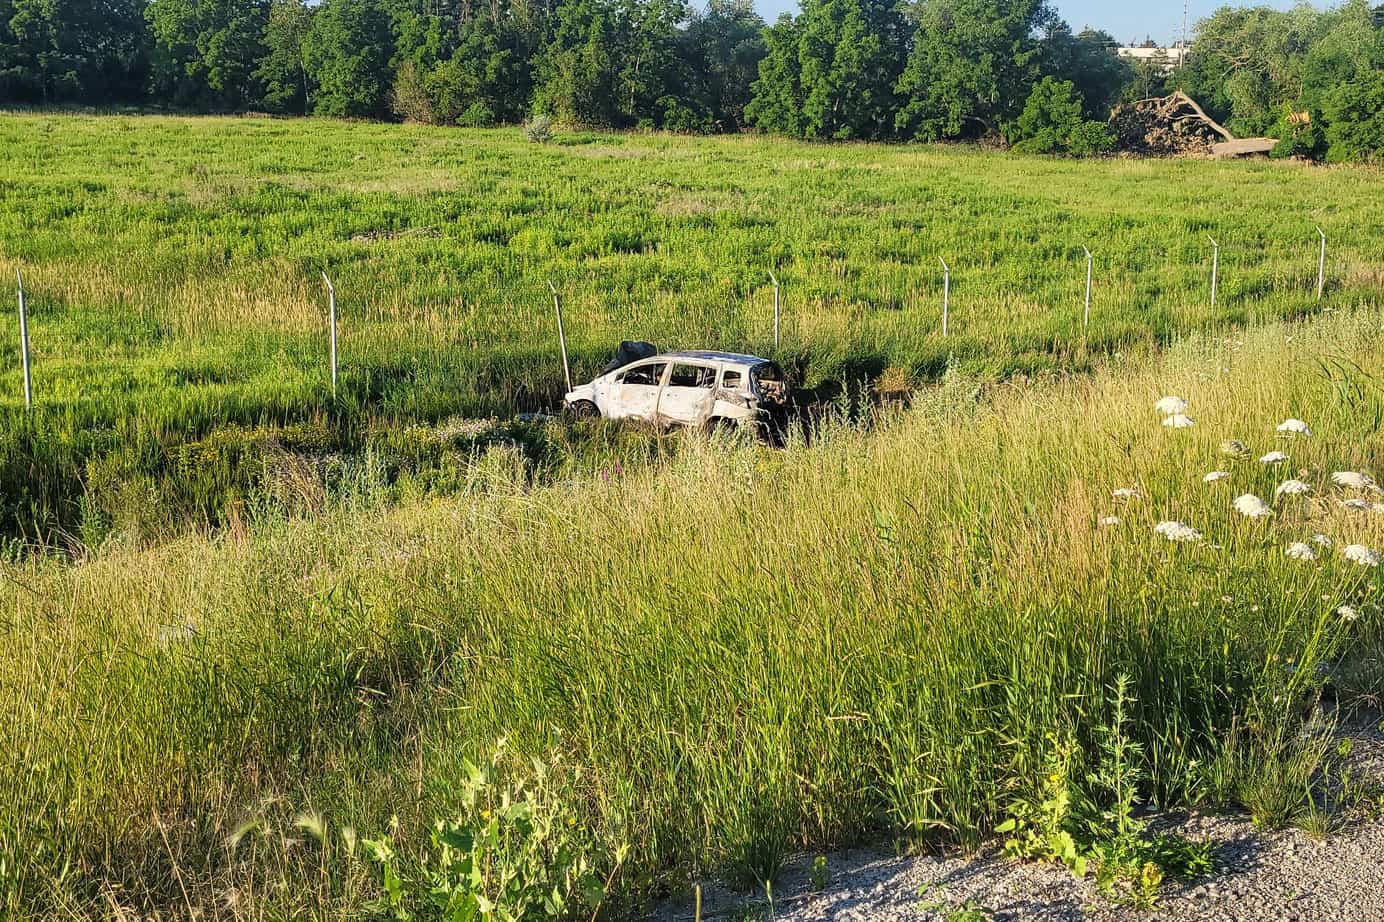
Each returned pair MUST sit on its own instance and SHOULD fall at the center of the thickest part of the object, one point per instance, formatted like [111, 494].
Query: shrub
[539, 130]
[1053, 123]
[409, 98]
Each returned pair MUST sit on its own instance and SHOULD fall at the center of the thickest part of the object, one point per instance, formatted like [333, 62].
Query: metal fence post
[946, 295]
[331, 319]
[1215, 266]
[775, 280]
[24, 343]
[1321, 265]
[561, 334]
[1086, 316]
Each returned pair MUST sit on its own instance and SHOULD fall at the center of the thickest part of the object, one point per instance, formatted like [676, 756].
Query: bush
[539, 130]
[409, 98]
[1053, 123]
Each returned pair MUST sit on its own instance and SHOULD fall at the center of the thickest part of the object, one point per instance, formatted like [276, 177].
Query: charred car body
[699, 389]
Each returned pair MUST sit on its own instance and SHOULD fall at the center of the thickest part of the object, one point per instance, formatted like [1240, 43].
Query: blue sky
[1161, 19]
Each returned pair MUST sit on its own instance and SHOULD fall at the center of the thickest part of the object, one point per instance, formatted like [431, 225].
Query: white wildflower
[1178, 421]
[1347, 613]
[1125, 493]
[1300, 550]
[1235, 448]
[1252, 507]
[1294, 427]
[1358, 553]
[1214, 476]
[1110, 520]
[1292, 488]
[1171, 406]
[1377, 507]
[1273, 457]
[1354, 480]
[1356, 505]
[1177, 531]
[1321, 540]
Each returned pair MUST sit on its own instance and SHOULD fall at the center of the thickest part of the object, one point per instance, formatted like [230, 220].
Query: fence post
[1086, 315]
[1321, 265]
[24, 343]
[561, 334]
[946, 294]
[1215, 266]
[775, 280]
[331, 320]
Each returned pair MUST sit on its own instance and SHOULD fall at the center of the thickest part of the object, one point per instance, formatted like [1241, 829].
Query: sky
[1127, 21]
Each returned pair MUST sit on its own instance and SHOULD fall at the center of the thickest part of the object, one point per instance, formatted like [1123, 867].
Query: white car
[702, 389]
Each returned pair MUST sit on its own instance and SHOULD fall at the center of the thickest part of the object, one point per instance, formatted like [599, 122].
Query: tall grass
[173, 265]
[746, 652]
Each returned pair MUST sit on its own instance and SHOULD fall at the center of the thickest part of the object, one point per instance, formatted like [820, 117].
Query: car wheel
[584, 409]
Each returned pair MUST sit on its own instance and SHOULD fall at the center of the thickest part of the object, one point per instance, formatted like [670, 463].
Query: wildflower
[1356, 505]
[1252, 507]
[1178, 421]
[1358, 553]
[1273, 457]
[1354, 480]
[1125, 493]
[1377, 507]
[1177, 531]
[1292, 488]
[1171, 406]
[1294, 427]
[1347, 613]
[1110, 520]
[1214, 476]
[1235, 448]
[1300, 551]
[1321, 540]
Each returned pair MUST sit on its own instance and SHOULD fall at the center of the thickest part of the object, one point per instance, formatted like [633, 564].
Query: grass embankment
[178, 318]
[743, 653]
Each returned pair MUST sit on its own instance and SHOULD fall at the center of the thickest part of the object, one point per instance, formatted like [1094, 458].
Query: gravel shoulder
[1284, 875]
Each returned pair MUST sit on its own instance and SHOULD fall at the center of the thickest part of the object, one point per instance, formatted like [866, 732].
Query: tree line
[840, 69]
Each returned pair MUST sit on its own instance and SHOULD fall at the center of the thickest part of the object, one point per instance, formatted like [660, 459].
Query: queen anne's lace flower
[1358, 553]
[1252, 507]
[1353, 480]
[1294, 427]
[1292, 488]
[1347, 613]
[1301, 551]
[1274, 457]
[1110, 520]
[1356, 505]
[1214, 476]
[1177, 531]
[1171, 406]
[1179, 421]
[1125, 493]
[1321, 540]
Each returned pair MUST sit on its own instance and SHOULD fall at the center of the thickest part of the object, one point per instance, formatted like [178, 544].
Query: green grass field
[179, 323]
[288, 627]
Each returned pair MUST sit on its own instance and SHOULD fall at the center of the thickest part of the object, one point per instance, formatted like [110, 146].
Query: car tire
[584, 409]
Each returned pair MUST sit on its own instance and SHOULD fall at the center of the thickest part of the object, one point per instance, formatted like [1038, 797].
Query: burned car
[700, 389]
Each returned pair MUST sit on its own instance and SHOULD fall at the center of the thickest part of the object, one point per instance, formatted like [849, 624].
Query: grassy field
[178, 320]
[899, 632]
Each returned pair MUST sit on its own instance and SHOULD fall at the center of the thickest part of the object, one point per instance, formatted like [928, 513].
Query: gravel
[1284, 875]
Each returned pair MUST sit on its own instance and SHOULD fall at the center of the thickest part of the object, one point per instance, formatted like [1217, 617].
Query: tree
[69, 50]
[973, 64]
[281, 70]
[347, 53]
[205, 51]
[1090, 62]
[1353, 110]
[725, 45]
[1054, 122]
[576, 82]
[832, 72]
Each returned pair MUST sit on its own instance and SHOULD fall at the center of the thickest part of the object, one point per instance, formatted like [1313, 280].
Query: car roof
[735, 358]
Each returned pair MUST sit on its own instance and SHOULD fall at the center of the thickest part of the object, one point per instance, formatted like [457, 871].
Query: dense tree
[281, 71]
[1098, 75]
[973, 65]
[576, 71]
[838, 66]
[724, 46]
[1054, 122]
[205, 51]
[347, 53]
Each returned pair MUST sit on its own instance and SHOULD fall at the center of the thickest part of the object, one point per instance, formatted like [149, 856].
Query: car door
[689, 394]
[634, 395]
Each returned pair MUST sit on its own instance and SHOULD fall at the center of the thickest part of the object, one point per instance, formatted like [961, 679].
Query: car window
[732, 379]
[644, 374]
[692, 376]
